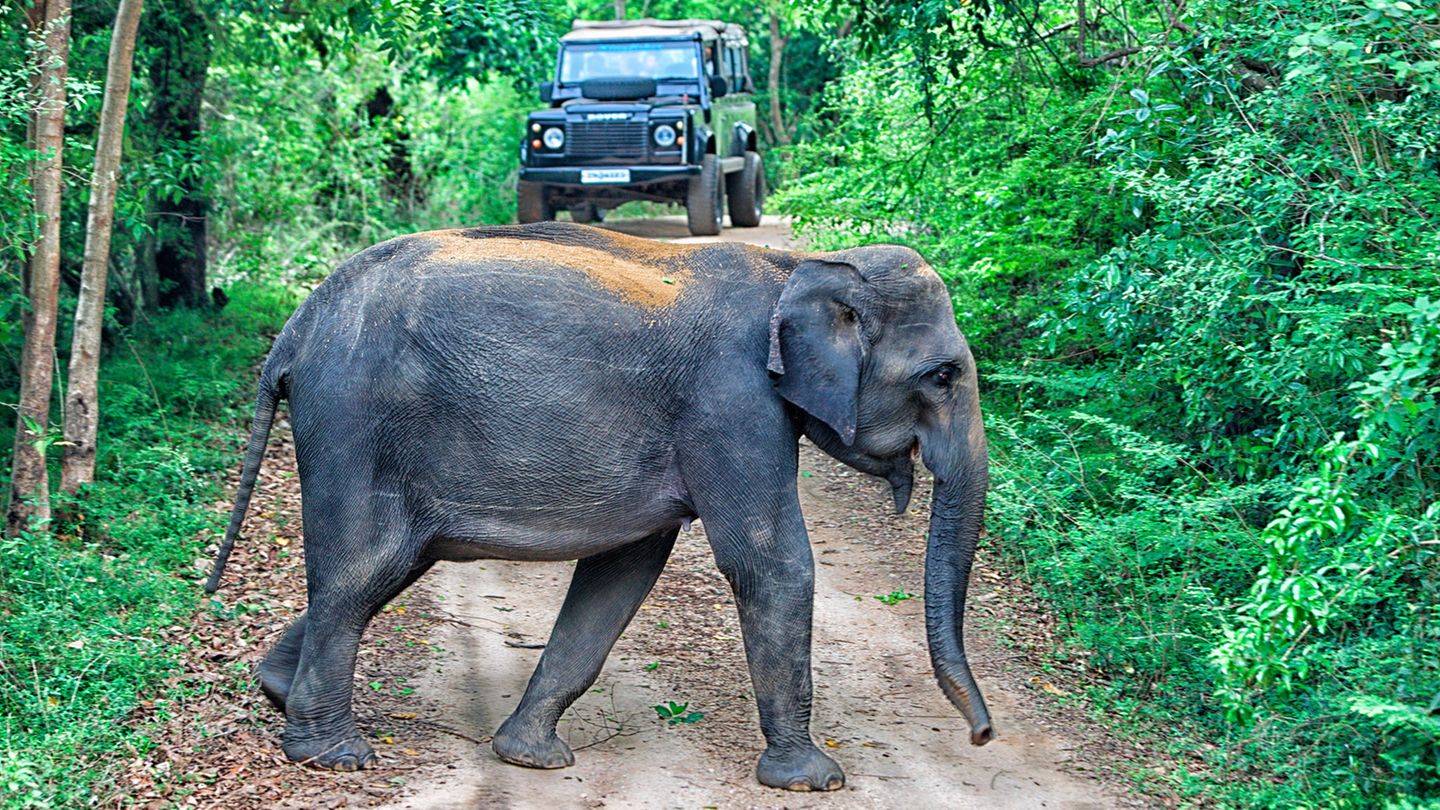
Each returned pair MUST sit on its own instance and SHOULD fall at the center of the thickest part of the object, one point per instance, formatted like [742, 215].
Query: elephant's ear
[816, 343]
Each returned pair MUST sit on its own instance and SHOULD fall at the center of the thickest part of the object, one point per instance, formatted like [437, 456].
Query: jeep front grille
[607, 139]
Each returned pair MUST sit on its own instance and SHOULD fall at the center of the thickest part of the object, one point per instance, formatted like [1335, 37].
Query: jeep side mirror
[547, 92]
[718, 86]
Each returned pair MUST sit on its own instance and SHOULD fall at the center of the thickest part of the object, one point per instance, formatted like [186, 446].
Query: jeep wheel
[587, 213]
[704, 202]
[531, 205]
[746, 190]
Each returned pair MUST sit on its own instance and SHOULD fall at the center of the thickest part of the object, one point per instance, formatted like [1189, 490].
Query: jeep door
[737, 106]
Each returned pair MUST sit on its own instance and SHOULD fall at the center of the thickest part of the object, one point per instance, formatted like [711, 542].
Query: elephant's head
[864, 343]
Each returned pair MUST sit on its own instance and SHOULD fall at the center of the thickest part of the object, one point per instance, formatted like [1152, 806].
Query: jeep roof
[649, 28]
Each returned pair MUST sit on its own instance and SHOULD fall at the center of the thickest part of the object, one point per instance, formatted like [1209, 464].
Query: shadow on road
[773, 232]
[654, 228]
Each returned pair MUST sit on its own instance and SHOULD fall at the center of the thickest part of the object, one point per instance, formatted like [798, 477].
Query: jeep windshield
[661, 61]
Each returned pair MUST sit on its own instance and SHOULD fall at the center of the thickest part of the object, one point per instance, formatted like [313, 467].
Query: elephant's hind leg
[604, 594]
[278, 669]
[346, 590]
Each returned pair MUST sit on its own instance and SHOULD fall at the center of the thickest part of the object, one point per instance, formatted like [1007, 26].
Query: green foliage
[1200, 277]
[1109, 525]
[1196, 257]
[514, 37]
[995, 193]
[1251, 329]
[84, 608]
[327, 155]
[19, 227]
[894, 597]
[677, 713]
[1338, 563]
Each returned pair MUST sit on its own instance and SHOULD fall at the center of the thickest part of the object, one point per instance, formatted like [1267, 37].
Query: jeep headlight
[554, 138]
[665, 136]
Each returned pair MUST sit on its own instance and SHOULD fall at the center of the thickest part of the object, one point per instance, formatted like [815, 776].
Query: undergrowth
[1204, 308]
[88, 609]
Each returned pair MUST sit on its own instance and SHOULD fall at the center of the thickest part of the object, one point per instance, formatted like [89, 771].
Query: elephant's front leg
[767, 559]
[604, 594]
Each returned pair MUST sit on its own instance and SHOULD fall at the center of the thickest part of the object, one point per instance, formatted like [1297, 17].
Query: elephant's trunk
[956, 454]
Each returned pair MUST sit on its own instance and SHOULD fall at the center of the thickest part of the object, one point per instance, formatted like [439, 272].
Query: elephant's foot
[350, 753]
[531, 750]
[275, 683]
[799, 769]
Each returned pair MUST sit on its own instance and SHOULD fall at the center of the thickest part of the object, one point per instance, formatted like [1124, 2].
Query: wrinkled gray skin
[518, 410]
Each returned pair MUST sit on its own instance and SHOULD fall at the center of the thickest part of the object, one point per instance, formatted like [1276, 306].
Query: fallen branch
[619, 732]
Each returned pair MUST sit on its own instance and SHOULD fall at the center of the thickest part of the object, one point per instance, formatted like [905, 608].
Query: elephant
[559, 392]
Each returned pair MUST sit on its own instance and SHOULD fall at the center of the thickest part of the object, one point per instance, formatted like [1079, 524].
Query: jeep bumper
[639, 175]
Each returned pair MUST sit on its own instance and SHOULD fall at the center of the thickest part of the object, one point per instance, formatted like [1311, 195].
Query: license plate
[604, 175]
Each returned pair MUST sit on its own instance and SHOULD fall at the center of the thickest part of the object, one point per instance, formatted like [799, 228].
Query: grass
[88, 611]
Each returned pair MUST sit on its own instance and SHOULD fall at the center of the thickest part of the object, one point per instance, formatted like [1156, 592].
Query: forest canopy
[1193, 244]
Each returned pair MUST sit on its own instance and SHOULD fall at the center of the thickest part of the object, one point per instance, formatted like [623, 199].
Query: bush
[1201, 286]
[84, 609]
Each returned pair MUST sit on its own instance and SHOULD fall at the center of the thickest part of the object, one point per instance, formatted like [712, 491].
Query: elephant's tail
[271, 391]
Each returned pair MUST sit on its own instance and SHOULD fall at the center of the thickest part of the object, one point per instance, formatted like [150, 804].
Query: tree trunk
[29, 483]
[174, 261]
[399, 181]
[82, 407]
[619, 9]
[777, 60]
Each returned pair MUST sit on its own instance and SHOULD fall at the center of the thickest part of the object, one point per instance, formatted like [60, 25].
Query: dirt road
[877, 708]
[443, 665]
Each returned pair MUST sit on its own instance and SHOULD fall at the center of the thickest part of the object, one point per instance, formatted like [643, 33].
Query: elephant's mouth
[902, 476]
[898, 468]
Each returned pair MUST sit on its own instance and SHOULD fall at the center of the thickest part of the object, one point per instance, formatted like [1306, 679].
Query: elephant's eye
[942, 377]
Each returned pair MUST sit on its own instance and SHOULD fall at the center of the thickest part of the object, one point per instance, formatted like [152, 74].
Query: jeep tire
[586, 213]
[704, 201]
[531, 205]
[746, 190]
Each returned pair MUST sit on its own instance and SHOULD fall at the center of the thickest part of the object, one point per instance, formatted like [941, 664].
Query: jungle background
[1194, 244]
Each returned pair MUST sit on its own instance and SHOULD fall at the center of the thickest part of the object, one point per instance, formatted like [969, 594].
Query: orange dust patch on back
[641, 278]
[642, 249]
[653, 250]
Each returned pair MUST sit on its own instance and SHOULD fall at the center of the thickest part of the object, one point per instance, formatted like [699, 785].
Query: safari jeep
[646, 110]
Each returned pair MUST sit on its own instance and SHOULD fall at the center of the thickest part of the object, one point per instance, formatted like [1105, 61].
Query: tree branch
[777, 58]
[1050, 32]
[1259, 67]
[1119, 53]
